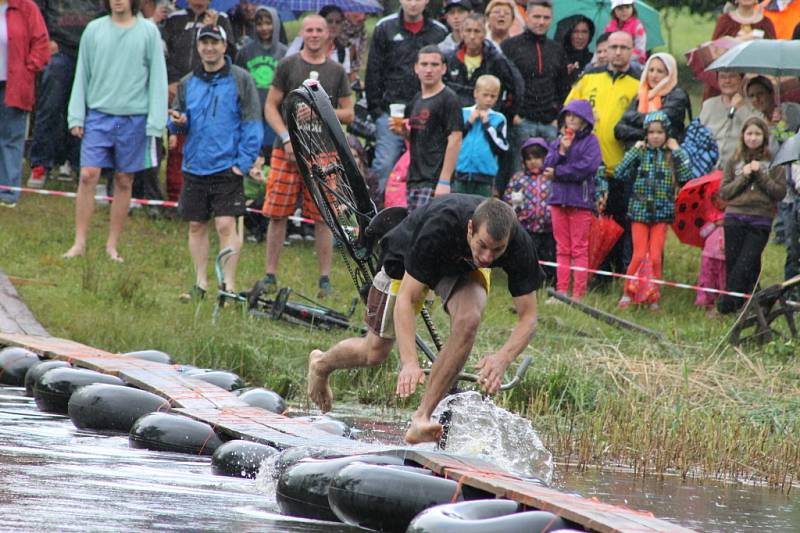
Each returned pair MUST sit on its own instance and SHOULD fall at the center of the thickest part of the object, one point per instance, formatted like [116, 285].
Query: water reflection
[57, 478]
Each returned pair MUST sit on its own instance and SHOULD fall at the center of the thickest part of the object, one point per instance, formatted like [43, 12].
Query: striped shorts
[284, 183]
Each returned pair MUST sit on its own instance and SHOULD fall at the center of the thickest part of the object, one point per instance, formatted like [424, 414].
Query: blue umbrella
[359, 6]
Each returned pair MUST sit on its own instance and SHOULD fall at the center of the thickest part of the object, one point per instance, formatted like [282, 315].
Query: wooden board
[589, 513]
[14, 314]
[252, 423]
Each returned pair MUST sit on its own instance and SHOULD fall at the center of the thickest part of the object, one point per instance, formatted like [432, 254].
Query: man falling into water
[449, 245]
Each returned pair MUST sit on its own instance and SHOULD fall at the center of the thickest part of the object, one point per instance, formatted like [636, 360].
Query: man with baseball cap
[218, 109]
[455, 11]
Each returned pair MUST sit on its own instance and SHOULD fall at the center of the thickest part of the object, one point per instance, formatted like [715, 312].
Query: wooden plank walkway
[15, 317]
[230, 415]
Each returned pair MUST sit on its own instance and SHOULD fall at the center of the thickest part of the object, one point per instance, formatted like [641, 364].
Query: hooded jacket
[528, 193]
[260, 59]
[563, 37]
[656, 174]
[28, 52]
[179, 34]
[390, 65]
[543, 65]
[573, 179]
[494, 62]
[224, 126]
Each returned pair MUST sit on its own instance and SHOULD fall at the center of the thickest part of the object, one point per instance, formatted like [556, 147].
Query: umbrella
[288, 6]
[788, 153]
[604, 233]
[599, 11]
[223, 6]
[761, 56]
[698, 59]
[360, 6]
[693, 207]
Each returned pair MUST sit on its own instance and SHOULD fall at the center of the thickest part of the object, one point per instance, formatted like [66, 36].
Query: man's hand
[172, 90]
[492, 369]
[516, 121]
[53, 47]
[289, 151]
[178, 118]
[210, 17]
[409, 377]
[236, 170]
[442, 189]
[737, 100]
[77, 131]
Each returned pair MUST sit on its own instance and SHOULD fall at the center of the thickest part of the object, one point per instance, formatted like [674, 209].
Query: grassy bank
[598, 395]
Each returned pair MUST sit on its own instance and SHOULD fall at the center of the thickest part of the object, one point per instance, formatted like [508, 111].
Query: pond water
[54, 477]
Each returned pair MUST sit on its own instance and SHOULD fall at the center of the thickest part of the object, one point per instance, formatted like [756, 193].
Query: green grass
[598, 395]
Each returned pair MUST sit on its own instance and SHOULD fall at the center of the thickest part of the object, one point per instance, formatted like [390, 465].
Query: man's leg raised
[465, 307]
[354, 352]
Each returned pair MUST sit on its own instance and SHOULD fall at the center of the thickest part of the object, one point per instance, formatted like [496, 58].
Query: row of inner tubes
[382, 492]
[379, 492]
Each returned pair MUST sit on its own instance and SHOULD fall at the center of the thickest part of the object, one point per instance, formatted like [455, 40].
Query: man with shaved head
[610, 89]
[284, 182]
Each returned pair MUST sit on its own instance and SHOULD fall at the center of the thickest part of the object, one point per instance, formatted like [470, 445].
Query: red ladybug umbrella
[693, 207]
[603, 235]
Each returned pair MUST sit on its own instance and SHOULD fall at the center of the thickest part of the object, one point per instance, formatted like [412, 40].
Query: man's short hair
[497, 216]
[603, 38]
[488, 81]
[540, 3]
[134, 6]
[430, 49]
[477, 17]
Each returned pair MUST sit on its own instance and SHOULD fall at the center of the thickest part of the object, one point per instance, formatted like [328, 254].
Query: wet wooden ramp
[192, 397]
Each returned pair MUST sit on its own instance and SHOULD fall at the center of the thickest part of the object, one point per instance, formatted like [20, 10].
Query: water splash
[481, 429]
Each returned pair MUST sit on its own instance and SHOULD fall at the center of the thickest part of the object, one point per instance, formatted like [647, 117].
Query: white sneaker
[65, 170]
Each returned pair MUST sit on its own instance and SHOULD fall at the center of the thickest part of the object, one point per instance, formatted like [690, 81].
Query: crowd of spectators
[564, 128]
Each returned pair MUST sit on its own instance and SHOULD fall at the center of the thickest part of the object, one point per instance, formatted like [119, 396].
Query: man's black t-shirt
[431, 121]
[432, 243]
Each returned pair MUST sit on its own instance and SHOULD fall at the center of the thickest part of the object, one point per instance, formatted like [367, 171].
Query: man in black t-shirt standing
[447, 246]
[435, 124]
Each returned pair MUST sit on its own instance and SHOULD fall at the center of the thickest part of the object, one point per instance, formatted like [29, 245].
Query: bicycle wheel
[328, 167]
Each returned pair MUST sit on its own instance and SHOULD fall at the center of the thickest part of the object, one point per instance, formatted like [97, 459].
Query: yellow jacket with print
[610, 94]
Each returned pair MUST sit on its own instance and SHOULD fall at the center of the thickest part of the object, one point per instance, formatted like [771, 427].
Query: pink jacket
[714, 244]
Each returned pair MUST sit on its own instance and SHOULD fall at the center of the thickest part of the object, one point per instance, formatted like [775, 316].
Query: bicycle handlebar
[522, 369]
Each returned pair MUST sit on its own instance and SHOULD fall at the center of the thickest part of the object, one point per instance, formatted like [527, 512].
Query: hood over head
[564, 30]
[583, 109]
[656, 116]
[276, 24]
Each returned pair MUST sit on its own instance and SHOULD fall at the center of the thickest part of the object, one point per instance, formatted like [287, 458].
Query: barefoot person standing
[118, 108]
[449, 245]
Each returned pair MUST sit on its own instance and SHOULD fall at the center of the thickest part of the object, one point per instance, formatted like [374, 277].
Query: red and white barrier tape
[168, 203]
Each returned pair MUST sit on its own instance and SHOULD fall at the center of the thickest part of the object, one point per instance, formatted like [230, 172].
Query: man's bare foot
[319, 390]
[114, 255]
[75, 251]
[423, 430]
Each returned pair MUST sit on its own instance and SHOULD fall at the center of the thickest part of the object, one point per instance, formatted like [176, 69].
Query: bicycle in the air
[338, 189]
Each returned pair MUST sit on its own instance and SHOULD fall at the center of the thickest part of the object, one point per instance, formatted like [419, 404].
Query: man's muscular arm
[411, 293]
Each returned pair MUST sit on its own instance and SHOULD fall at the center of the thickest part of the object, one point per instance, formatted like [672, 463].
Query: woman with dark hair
[752, 191]
[658, 91]
[24, 51]
[575, 34]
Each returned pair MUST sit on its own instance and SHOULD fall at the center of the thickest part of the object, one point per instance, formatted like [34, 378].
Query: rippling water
[54, 477]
